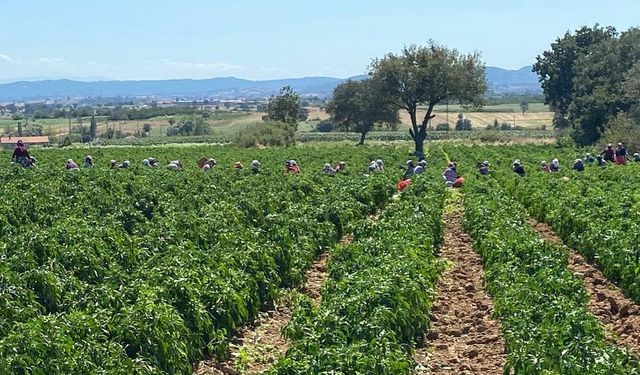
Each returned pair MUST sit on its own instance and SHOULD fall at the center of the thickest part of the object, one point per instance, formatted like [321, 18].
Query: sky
[269, 39]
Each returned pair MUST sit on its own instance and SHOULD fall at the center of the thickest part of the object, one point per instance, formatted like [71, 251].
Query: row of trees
[591, 80]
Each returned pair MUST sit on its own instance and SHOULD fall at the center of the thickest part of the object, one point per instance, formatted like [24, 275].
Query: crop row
[541, 304]
[379, 291]
[594, 213]
[147, 271]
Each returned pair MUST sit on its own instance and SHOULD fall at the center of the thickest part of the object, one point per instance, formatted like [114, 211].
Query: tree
[19, 128]
[284, 107]
[583, 78]
[146, 128]
[463, 123]
[427, 75]
[360, 105]
[524, 106]
[622, 128]
[556, 67]
[93, 128]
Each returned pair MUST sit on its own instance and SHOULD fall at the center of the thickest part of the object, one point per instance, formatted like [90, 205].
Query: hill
[501, 81]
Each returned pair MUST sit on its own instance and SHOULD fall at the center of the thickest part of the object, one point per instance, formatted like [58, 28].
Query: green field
[152, 271]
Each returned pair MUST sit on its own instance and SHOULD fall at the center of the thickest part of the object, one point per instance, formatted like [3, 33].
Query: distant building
[10, 142]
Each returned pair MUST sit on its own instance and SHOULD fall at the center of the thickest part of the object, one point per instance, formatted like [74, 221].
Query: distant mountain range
[504, 81]
[501, 81]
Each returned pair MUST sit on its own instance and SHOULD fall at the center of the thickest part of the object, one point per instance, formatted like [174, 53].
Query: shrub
[266, 134]
[443, 126]
[324, 126]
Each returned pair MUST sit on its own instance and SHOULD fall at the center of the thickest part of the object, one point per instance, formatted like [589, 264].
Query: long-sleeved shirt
[450, 175]
[621, 151]
[519, 170]
[608, 154]
[408, 173]
[20, 152]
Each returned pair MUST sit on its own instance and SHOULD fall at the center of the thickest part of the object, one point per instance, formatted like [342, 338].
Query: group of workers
[608, 155]
[450, 175]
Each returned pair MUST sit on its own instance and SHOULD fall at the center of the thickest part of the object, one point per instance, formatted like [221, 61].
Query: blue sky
[143, 39]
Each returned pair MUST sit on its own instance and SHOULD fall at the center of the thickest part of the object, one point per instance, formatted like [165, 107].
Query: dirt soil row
[256, 347]
[464, 338]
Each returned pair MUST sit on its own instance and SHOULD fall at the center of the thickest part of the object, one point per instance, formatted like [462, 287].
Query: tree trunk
[362, 135]
[421, 133]
[419, 141]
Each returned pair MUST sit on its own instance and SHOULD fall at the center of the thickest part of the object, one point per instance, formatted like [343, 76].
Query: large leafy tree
[586, 78]
[426, 76]
[285, 107]
[359, 106]
[556, 67]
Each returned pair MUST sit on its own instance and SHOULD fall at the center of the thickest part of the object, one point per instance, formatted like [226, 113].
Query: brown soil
[619, 315]
[464, 339]
[255, 348]
[316, 277]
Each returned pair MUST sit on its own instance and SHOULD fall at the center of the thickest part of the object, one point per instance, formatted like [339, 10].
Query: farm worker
[518, 167]
[601, 161]
[211, 163]
[589, 159]
[206, 167]
[113, 164]
[153, 162]
[328, 169]
[175, 165]
[419, 169]
[636, 157]
[555, 166]
[237, 166]
[71, 165]
[578, 165]
[373, 166]
[544, 166]
[621, 154]
[145, 163]
[608, 154]
[21, 155]
[125, 164]
[380, 164]
[483, 168]
[32, 162]
[255, 166]
[401, 185]
[292, 166]
[450, 175]
[409, 171]
[341, 167]
[88, 161]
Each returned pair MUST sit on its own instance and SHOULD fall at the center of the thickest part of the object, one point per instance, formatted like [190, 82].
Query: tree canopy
[360, 105]
[587, 78]
[285, 107]
[427, 75]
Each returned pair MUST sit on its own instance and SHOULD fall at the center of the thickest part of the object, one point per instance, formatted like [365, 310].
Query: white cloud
[49, 60]
[217, 66]
[5, 58]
